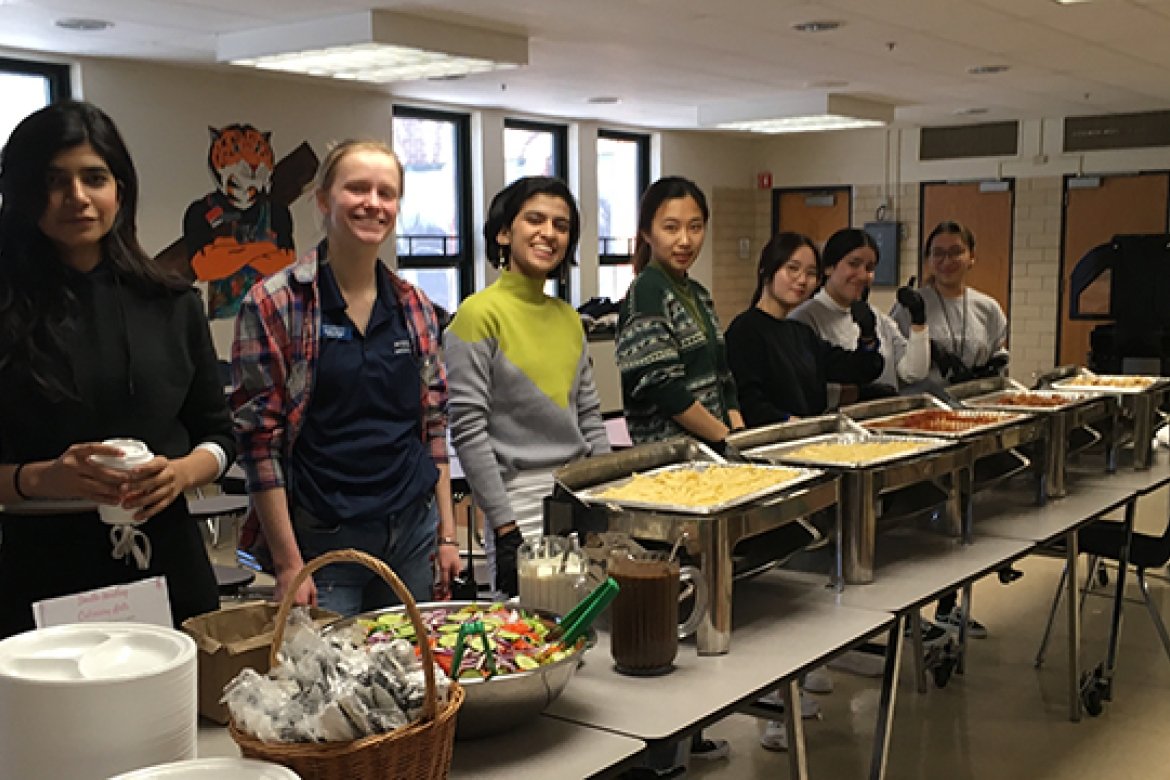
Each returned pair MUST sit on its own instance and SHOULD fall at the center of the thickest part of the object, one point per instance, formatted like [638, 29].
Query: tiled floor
[1004, 719]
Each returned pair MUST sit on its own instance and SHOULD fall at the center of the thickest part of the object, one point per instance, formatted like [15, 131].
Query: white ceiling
[665, 58]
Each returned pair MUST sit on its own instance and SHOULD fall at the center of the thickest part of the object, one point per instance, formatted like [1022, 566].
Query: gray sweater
[522, 393]
[907, 359]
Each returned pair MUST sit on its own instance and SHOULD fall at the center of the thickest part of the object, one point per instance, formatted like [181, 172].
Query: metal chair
[1106, 540]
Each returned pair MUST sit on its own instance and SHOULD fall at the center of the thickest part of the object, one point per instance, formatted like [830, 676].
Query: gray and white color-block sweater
[522, 392]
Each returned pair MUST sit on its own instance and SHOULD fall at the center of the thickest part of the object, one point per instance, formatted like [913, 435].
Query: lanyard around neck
[959, 342]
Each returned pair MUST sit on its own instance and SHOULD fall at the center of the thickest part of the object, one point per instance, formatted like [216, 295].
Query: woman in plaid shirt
[340, 401]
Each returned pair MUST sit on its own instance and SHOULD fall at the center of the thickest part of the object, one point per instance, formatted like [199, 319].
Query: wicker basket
[418, 751]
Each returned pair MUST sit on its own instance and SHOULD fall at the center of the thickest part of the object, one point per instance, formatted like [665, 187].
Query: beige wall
[882, 166]
[164, 112]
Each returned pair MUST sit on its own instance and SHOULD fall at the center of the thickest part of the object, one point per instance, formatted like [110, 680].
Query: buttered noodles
[856, 452]
[694, 487]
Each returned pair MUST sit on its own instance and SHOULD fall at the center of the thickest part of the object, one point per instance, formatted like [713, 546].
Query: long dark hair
[37, 304]
[778, 251]
[666, 188]
[507, 204]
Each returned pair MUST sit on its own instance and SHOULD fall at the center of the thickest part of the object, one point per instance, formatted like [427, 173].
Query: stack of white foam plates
[213, 769]
[95, 699]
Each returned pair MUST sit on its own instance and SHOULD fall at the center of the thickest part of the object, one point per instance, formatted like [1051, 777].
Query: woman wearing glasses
[968, 332]
[781, 367]
[968, 329]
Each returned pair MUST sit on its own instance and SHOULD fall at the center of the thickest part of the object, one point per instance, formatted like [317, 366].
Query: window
[28, 87]
[434, 241]
[623, 174]
[536, 149]
[533, 149]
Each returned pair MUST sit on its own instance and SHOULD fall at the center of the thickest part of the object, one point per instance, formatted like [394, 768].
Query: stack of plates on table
[92, 700]
[213, 769]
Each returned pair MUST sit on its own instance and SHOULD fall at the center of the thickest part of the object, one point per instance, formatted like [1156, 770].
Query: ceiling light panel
[804, 114]
[375, 46]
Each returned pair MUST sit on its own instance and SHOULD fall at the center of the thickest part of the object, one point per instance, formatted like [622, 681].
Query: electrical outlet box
[887, 236]
[745, 248]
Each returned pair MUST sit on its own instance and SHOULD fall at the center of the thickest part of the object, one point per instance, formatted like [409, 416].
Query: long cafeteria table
[781, 632]
[545, 748]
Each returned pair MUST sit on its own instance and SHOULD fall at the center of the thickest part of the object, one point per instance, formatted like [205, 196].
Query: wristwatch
[449, 541]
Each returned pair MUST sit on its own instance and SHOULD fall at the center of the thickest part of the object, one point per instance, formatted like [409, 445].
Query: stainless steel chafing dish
[984, 441]
[865, 483]
[711, 536]
[1092, 411]
[1139, 405]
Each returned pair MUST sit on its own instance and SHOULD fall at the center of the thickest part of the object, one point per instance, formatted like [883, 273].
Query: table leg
[1057, 455]
[964, 619]
[1072, 553]
[797, 755]
[714, 635]
[1111, 442]
[918, 649]
[1043, 449]
[1143, 431]
[885, 715]
[1119, 599]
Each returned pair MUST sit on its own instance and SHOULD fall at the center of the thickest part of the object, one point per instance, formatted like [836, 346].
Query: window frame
[643, 144]
[560, 150]
[560, 134]
[56, 73]
[464, 262]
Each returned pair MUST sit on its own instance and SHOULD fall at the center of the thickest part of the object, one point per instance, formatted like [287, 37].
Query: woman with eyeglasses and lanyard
[968, 332]
[968, 329]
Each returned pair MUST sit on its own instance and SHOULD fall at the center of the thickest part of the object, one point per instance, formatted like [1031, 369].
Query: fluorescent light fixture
[803, 114]
[376, 46]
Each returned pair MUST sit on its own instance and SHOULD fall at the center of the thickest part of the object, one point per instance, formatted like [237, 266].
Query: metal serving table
[711, 537]
[1139, 405]
[1097, 411]
[864, 483]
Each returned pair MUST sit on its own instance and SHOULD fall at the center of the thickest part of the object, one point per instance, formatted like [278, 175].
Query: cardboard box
[231, 639]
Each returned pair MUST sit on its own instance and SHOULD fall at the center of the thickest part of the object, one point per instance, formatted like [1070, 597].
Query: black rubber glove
[865, 318]
[507, 579]
[725, 450]
[912, 301]
[874, 391]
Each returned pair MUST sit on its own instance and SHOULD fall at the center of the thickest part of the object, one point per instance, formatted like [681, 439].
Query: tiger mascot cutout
[236, 235]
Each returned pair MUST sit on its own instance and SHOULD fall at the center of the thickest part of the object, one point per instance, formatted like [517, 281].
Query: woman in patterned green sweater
[670, 350]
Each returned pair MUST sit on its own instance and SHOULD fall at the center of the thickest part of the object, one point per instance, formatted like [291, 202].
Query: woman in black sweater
[781, 367]
[95, 343]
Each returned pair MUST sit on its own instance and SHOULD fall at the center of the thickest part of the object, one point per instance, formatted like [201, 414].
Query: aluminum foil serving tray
[998, 401]
[1084, 382]
[787, 452]
[594, 494]
[891, 423]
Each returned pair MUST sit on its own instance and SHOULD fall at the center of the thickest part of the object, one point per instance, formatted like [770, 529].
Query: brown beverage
[644, 635]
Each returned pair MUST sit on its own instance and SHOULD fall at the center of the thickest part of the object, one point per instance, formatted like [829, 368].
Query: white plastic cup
[134, 454]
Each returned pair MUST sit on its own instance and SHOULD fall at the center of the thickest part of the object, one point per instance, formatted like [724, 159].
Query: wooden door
[817, 213]
[1092, 216]
[988, 212]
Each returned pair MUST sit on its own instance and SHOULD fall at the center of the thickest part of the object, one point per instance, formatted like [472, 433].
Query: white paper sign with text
[144, 601]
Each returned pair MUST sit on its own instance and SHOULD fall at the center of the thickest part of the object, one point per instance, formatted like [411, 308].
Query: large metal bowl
[495, 705]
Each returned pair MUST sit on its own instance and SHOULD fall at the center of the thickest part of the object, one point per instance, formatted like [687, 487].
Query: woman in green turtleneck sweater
[523, 400]
[673, 362]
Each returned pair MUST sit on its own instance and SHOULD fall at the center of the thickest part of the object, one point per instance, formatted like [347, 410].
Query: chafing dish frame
[1140, 407]
[863, 486]
[981, 443]
[712, 537]
[1090, 409]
